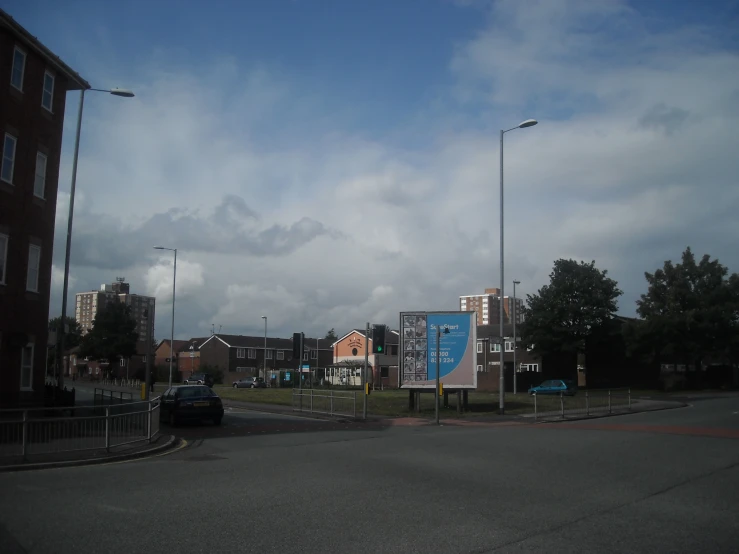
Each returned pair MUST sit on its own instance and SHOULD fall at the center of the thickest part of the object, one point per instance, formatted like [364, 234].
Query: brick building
[33, 87]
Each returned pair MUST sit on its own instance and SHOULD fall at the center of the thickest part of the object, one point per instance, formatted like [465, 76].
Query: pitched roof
[391, 337]
[75, 81]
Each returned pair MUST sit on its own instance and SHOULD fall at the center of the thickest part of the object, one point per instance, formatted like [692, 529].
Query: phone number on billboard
[443, 360]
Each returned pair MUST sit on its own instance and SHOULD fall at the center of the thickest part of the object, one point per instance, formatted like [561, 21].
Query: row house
[240, 356]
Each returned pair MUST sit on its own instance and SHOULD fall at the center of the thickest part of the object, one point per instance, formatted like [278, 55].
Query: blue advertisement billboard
[457, 364]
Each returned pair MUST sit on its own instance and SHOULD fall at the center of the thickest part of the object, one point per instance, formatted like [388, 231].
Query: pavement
[652, 482]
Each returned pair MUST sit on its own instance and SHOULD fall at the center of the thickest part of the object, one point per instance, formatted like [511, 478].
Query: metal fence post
[587, 404]
[355, 404]
[629, 398]
[24, 432]
[107, 428]
[331, 403]
[534, 406]
[311, 400]
[149, 423]
[609, 401]
[562, 404]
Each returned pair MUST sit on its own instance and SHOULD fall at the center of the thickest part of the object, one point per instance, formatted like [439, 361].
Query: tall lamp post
[515, 345]
[174, 283]
[65, 288]
[264, 317]
[501, 381]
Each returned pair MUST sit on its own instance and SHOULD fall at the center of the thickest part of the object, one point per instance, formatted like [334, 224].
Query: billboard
[457, 363]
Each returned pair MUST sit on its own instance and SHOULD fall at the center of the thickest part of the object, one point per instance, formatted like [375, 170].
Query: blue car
[555, 386]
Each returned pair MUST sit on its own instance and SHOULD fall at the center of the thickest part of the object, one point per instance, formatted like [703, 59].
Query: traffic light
[378, 339]
[297, 344]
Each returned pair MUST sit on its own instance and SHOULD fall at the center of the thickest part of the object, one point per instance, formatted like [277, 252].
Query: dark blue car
[555, 386]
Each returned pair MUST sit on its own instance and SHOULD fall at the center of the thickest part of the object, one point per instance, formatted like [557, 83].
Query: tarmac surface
[663, 481]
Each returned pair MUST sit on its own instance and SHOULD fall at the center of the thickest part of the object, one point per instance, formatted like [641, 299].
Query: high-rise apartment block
[88, 304]
[487, 307]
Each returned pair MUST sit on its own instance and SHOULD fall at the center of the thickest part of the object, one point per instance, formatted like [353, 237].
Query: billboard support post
[364, 373]
[438, 373]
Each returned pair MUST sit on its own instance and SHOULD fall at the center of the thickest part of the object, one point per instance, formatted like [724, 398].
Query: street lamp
[65, 288]
[515, 367]
[501, 381]
[174, 282]
[264, 317]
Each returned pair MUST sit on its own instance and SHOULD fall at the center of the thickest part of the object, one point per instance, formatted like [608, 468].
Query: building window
[314, 354]
[509, 346]
[8, 164]
[27, 367]
[19, 68]
[3, 257]
[252, 354]
[241, 352]
[479, 347]
[123, 362]
[305, 357]
[494, 347]
[280, 354]
[39, 183]
[47, 96]
[34, 261]
[269, 354]
[240, 369]
[479, 367]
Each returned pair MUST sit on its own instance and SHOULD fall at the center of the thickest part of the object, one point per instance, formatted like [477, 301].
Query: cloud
[278, 208]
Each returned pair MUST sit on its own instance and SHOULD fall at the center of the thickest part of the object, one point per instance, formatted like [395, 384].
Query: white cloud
[296, 218]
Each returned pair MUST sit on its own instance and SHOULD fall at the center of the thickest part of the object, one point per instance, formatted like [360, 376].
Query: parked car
[555, 386]
[199, 379]
[250, 383]
[190, 402]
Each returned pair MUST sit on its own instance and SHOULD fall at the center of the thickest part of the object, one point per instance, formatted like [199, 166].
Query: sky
[326, 163]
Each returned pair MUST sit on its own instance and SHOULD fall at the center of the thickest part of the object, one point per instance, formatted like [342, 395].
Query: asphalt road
[655, 482]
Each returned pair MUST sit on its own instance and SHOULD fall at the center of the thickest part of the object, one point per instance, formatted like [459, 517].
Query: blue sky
[331, 162]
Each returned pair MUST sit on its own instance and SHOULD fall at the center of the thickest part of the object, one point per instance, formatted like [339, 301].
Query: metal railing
[329, 402]
[589, 402]
[105, 397]
[128, 383]
[39, 431]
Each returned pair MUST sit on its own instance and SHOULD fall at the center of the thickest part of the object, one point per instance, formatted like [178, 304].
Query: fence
[43, 431]
[104, 397]
[595, 402]
[329, 402]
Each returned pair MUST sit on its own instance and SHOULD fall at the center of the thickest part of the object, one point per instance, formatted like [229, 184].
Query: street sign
[192, 354]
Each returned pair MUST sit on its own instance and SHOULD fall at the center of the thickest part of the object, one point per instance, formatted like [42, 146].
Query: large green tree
[113, 335]
[577, 303]
[331, 335]
[689, 312]
[73, 334]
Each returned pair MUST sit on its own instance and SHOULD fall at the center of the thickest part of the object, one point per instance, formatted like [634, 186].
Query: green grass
[393, 403]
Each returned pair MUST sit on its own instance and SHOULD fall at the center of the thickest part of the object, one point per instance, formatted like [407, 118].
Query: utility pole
[515, 346]
[364, 373]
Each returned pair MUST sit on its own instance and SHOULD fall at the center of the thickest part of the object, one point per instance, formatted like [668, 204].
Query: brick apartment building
[349, 349]
[33, 87]
[487, 307]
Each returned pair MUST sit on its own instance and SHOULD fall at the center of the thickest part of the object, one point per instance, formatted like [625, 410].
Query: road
[654, 482]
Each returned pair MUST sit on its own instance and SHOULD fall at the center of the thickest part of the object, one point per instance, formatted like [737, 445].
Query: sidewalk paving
[158, 444]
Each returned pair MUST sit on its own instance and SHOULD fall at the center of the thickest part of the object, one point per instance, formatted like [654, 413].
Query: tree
[331, 335]
[690, 311]
[73, 335]
[579, 300]
[113, 335]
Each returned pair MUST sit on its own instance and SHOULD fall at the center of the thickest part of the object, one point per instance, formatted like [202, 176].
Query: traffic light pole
[364, 373]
